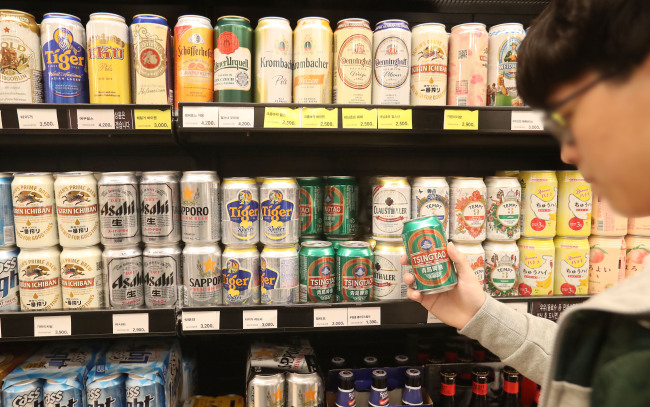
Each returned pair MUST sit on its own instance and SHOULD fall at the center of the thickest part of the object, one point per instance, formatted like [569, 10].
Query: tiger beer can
[162, 265]
[39, 273]
[119, 208]
[193, 60]
[475, 257]
[317, 272]
[160, 207]
[7, 229]
[503, 44]
[279, 275]
[467, 209]
[24, 393]
[429, 54]
[202, 282]
[200, 212]
[352, 62]
[501, 268]
[354, 272]
[273, 61]
[233, 62]
[312, 61]
[76, 208]
[82, 278]
[9, 285]
[430, 197]
[391, 206]
[503, 208]
[311, 206]
[389, 272]
[240, 210]
[536, 263]
[391, 43]
[240, 268]
[123, 277]
[34, 203]
[152, 60]
[468, 65]
[279, 223]
[109, 387]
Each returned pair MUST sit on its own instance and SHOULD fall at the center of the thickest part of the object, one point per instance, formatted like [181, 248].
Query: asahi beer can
[340, 206]
[26, 393]
[240, 211]
[57, 394]
[279, 275]
[233, 61]
[33, 201]
[240, 268]
[354, 271]
[317, 269]
[391, 206]
[151, 60]
[637, 248]
[475, 257]
[503, 208]
[109, 388]
[312, 61]
[194, 60]
[160, 207]
[571, 266]
[9, 285]
[504, 41]
[76, 208]
[7, 230]
[39, 273]
[352, 62]
[21, 72]
[311, 206]
[429, 55]
[391, 52]
[265, 387]
[109, 59]
[299, 385]
[202, 282]
[144, 391]
[573, 204]
[430, 197]
[536, 264]
[280, 223]
[635, 226]
[468, 65]
[63, 39]
[273, 60]
[501, 265]
[82, 278]
[162, 265]
[387, 280]
[605, 220]
[200, 212]
[119, 208]
[538, 203]
[606, 262]
[467, 213]
[123, 277]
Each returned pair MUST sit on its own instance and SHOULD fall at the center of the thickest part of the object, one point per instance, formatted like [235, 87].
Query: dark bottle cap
[480, 374]
[346, 380]
[337, 362]
[401, 360]
[370, 361]
[379, 379]
[448, 376]
[413, 378]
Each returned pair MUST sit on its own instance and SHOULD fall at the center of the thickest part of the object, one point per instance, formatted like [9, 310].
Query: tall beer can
[279, 222]
[391, 51]
[119, 208]
[7, 230]
[21, 72]
[63, 40]
[352, 62]
[82, 278]
[200, 212]
[162, 265]
[429, 52]
[160, 206]
[504, 41]
[273, 60]
[123, 277]
[202, 281]
[108, 59]
[468, 65]
[233, 42]
[33, 200]
[39, 273]
[151, 65]
[193, 58]
[312, 61]
[76, 208]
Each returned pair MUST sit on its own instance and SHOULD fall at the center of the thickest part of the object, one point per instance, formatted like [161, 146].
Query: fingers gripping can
[240, 267]
[430, 197]
[279, 275]
[317, 272]
[202, 275]
[354, 265]
[475, 257]
[279, 223]
[240, 207]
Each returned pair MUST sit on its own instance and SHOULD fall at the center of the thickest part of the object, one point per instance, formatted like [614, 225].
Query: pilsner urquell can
[354, 261]
[273, 60]
[340, 206]
[468, 65]
[311, 206]
[152, 60]
[317, 272]
[279, 222]
[426, 248]
[233, 42]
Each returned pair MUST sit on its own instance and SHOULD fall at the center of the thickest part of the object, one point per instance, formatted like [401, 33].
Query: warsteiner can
[82, 278]
[311, 206]
[467, 210]
[475, 257]
[76, 208]
[391, 52]
[202, 282]
[279, 275]
[39, 272]
[501, 265]
[273, 60]
[387, 278]
[162, 264]
[430, 197]
[193, 60]
[312, 61]
[352, 62]
[240, 211]
[123, 277]
[504, 41]
[119, 208]
[152, 60]
[468, 65]
[200, 212]
[233, 64]
[536, 263]
[317, 272]
[240, 268]
[571, 266]
[429, 48]
[354, 271]
[391, 206]
[503, 208]
[33, 201]
[9, 285]
[340, 206]
[159, 204]
[279, 222]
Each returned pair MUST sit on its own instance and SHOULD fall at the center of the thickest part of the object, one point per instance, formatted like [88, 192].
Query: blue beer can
[142, 392]
[56, 394]
[108, 391]
[28, 393]
[7, 231]
[9, 286]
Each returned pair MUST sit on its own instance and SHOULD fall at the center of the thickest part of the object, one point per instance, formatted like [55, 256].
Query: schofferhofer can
[123, 277]
[299, 385]
[429, 65]
[162, 268]
[202, 280]
[387, 280]
[536, 262]
[475, 257]
[571, 266]
[352, 62]
[9, 285]
[391, 43]
[468, 65]
[340, 206]
[266, 389]
[538, 203]
[33, 200]
[273, 60]
[119, 208]
[573, 204]
[279, 223]
[240, 268]
[82, 279]
[233, 41]
[200, 214]
[430, 197]
[160, 207]
[467, 211]
[240, 209]
[426, 248]
[504, 41]
[391, 206]
[279, 275]
[503, 208]
[317, 272]
[501, 265]
[354, 262]
[7, 230]
[311, 206]
[152, 60]
[312, 61]
[76, 208]
[39, 273]
[194, 60]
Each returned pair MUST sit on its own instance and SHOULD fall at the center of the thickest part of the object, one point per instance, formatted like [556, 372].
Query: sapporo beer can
[501, 265]
[354, 271]
[266, 388]
[109, 72]
[200, 212]
[503, 208]
[233, 62]
[475, 257]
[26, 392]
[273, 60]
[202, 282]
[426, 248]
[637, 248]
[299, 385]
[310, 205]
[279, 275]
[123, 277]
[468, 65]
[194, 60]
[574, 202]
[538, 203]
[162, 265]
[160, 206]
[467, 213]
[571, 266]
[110, 387]
[606, 221]
[391, 52]
[21, 72]
[429, 55]
[151, 60]
[33, 201]
[9, 285]
[504, 41]
[317, 272]
[7, 229]
[340, 206]
[312, 61]
[536, 266]
[76, 208]
[391, 206]
[63, 39]
[39, 273]
[352, 62]
[119, 208]
[606, 262]
[240, 268]
[430, 197]
[82, 278]
[387, 279]
[240, 211]
[279, 223]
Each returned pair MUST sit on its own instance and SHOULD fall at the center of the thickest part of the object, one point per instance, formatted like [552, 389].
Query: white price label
[200, 320]
[328, 317]
[261, 319]
[131, 323]
[532, 121]
[95, 119]
[60, 325]
[38, 119]
[518, 306]
[364, 316]
[243, 117]
[201, 116]
[431, 319]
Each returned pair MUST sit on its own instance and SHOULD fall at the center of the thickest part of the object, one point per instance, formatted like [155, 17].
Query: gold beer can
[353, 62]
[312, 61]
[273, 60]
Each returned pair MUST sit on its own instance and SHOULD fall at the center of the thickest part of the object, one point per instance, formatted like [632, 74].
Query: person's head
[599, 49]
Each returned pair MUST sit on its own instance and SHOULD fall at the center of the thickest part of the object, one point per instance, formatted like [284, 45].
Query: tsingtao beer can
[430, 197]
[202, 282]
[475, 257]
[76, 208]
[9, 284]
[119, 208]
[310, 206]
[504, 41]
[503, 208]
[33, 201]
[151, 60]
[39, 273]
[467, 210]
[240, 268]
[300, 384]
[391, 53]
[536, 263]
[429, 55]
[387, 280]
[340, 206]
[273, 60]
[280, 223]
[123, 277]
[538, 203]
[391, 206]
[162, 264]
[194, 60]
[312, 61]
[317, 263]
[279, 275]
[354, 271]
[266, 386]
[240, 211]
[200, 211]
[82, 278]
[501, 265]
[352, 62]
[159, 197]
[468, 65]
[233, 62]
[571, 266]
[7, 229]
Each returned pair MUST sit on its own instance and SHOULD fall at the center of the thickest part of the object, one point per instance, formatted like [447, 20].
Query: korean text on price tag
[152, 119]
[260, 319]
[358, 118]
[200, 320]
[320, 118]
[532, 121]
[60, 325]
[200, 116]
[45, 119]
[131, 323]
[395, 119]
[95, 119]
[237, 117]
[328, 317]
[460, 120]
[281, 118]
[364, 316]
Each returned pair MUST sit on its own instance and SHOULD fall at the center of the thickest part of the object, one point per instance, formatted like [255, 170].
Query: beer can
[233, 43]
[501, 265]
[82, 278]
[109, 387]
[538, 203]
[160, 206]
[391, 52]
[144, 391]
[606, 262]
[119, 208]
[475, 257]
[152, 60]
[637, 248]
[65, 76]
[606, 221]
[162, 264]
[468, 65]
[388, 275]
[354, 271]
[33, 201]
[301, 386]
[391, 206]
[504, 41]
[280, 223]
[194, 60]
[503, 208]
[240, 268]
[635, 226]
[317, 272]
[7, 230]
[536, 266]
[240, 209]
[340, 206]
[123, 277]
[200, 212]
[202, 282]
[76, 208]
[263, 388]
[312, 61]
[430, 197]
[311, 206]
[24, 393]
[273, 60]
[279, 275]
[109, 72]
[337, 240]
[39, 274]
[352, 62]
[21, 73]
[574, 205]
[429, 55]
[9, 285]
[57, 394]
[467, 212]
[571, 266]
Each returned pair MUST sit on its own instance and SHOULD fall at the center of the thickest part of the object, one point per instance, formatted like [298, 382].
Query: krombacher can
[312, 61]
[354, 272]
[273, 60]
[233, 41]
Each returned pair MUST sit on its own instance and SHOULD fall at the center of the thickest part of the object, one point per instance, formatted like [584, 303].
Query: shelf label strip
[201, 116]
[330, 317]
[131, 323]
[320, 118]
[260, 319]
[395, 119]
[153, 119]
[236, 117]
[460, 119]
[281, 118]
[59, 325]
[95, 119]
[43, 119]
[359, 118]
[527, 121]
[201, 320]
[364, 316]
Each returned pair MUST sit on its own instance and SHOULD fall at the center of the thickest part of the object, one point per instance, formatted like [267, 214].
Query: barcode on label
[601, 224]
[461, 100]
[8, 234]
[462, 53]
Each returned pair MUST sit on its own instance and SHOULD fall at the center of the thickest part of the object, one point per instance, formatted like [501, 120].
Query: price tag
[527, 121]
[95, 119]
[261, 319]
[131, 323]
[152, 119]
[320, 118]
[356, 118]
[281, 117]
[237, 117]
[364, 316]
[518, 306]
[200, 320]
[431, 319]
[201, 116]
[552, 308]
[327, 317]
[37, 119]
[59, 325]
[400, 119]
[461, 120]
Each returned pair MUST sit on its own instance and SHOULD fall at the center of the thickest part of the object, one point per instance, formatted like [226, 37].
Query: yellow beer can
[538, 203]
[536, 263]
[571, 266]
[574, 205]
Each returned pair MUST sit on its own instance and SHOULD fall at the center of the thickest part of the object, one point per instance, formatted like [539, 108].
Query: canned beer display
[430, 197]
[240, 210]
[467, 210]
[504, 41]
[240, 268]
[119, 208]
[501, 264]
[476, 258]
[391, 206]
[233, 43]
[503, 208]
[310, 206]
[606, 262]
[161, 264]
[354, 272]
[317, 272]
[429, 55]
[33, 201]
[312, 61]
[538, 203]
[605, 221]
[637, 248]
[193, 59]
[389, 272]
[468, 65]
[273, 61]
[76, 208]
[391, 52]
[279, 223]
[200, 215]
[160, 207]
[340, 206]
[152, 60]
[536, 266]
[123, 277]
[82, 278]
[39, 273]
[279, 275]
[10, 293]
[574, 205]
[202, 280]
[352, 62]
[571, 266]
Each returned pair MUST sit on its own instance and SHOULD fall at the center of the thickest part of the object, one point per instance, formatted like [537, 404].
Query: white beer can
[476, 257]
[200, 212]
[202, 282]
[430, 197]
[273, 60]
[467, 213]
[388, 283]
[501, 265]
[33, 201]
[391, 206]
[353, 62]
[76, 208]
[160, 206]
[82, 278]
[503, 208]
[312, 61]
[468, 65]
[39, 273]
[429, 49]
[162, 268]
[504, 41]
[391, 51]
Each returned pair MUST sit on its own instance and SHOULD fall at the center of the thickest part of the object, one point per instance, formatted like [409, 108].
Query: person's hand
[457, 306]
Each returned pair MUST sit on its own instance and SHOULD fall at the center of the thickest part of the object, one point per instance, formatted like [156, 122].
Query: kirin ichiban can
[240, 210]
[426, 248]
[352, 62]
[9, 285]
[21, 74]
[312, 61]
[301, 386]
[504, 41]
[266, 389]
[200, 212]
[279, 275]
[233, 65]
[110, 387]
[82, 278]
[317, 272]
[391, 206]
[391, 54]
[354, 271]
[7, 230]
[467, 219]
[76, 208]
[571, 266]
[311, 206]
[606, 262]
[109, 72]
[536, 263]
[63, 39]
[468, 65]
[387, 280]
[503, 208]
[429, 53]
[152, 60]
[39, 273]
[202, 283]
[123, 277]
[161, 264]
[194, 60]
[273, 60]
[160, 217]
[240, 268]
[573, 205]
[430, 197]
[340, 206]
[475, 257]
[33, 201]
[538, 203]
[501, 265]
[119, 208]
[279, 223]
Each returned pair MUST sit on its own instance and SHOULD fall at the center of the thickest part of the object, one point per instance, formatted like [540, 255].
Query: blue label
[244, 209]
[269, 278]
[345, 398]
[106, 393]
[378, 397]
[66, 74]
[276, 208]
[412, 396]
[236, 278]
[9, 282]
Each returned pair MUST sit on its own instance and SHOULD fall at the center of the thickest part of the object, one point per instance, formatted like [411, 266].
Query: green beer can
[311, 206]
[426, 247]
[317, 272]
[340, 206]
[233, 42]
[354, 262]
